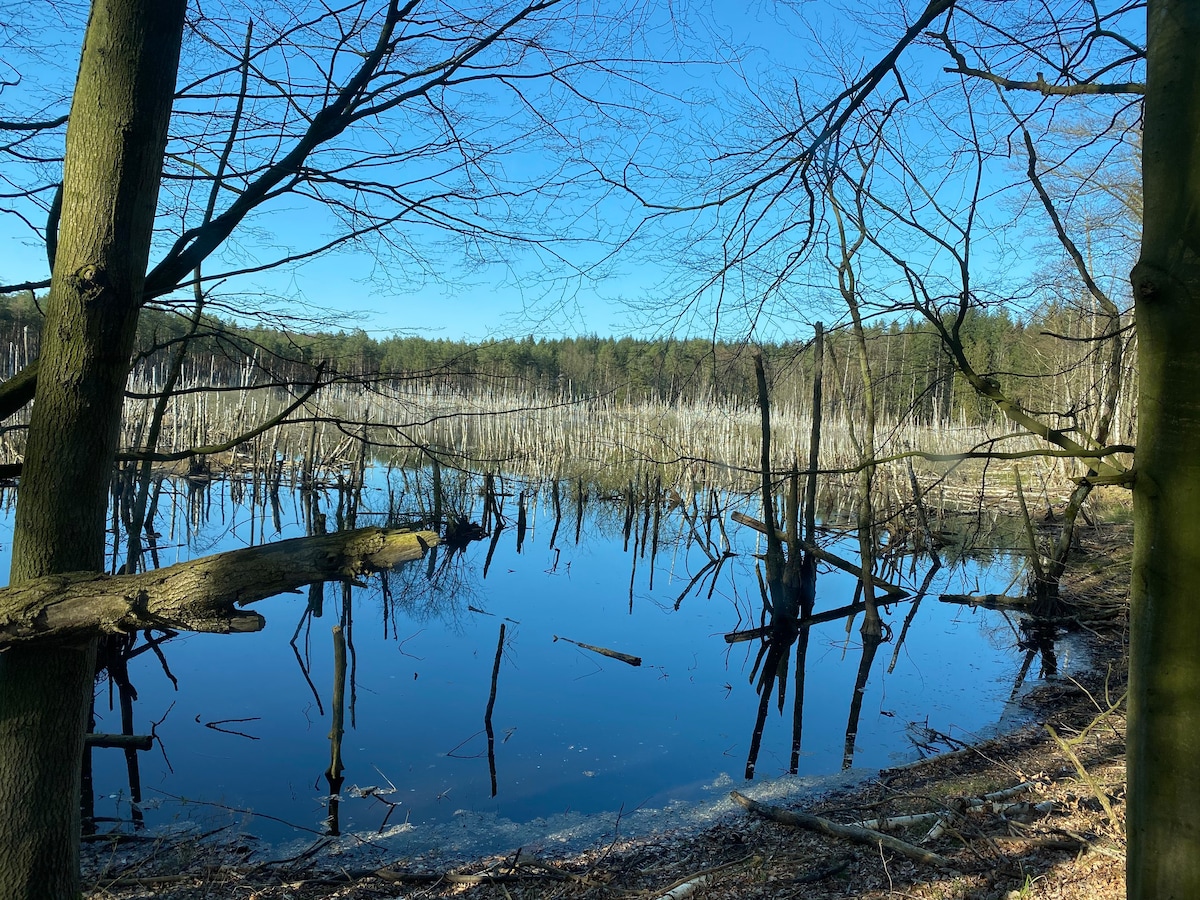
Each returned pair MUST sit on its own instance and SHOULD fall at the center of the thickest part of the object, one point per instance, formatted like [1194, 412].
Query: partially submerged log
[199, 595]
[988, 601]
[17, 392]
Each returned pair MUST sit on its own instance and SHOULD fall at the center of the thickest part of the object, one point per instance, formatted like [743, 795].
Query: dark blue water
[574, 731]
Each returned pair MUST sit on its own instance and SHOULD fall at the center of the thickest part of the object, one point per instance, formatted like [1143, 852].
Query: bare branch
[1046, 89]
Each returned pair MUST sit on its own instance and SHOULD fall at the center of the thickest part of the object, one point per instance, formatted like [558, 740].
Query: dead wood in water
[777, 565]
[814, 441]
[894, 591]
[200, 595]
[988, 601]
[870, 645]
[337, 729]
[830, 615]
[491, 705]
[604, 651]
[122, 741]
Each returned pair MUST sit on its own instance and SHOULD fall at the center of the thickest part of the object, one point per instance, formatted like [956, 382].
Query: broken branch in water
[604, 651]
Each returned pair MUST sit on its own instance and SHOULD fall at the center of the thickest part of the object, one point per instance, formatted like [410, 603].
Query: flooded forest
[650, 571]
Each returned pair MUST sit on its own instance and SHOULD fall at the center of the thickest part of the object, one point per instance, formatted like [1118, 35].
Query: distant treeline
[914, 376]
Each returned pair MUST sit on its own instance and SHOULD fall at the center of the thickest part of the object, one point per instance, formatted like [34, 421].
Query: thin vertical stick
[491, 704]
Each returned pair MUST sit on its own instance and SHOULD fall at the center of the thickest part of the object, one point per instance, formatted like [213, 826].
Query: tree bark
[114, 153]
[199, 595]
[1164, 697]
[42, 720]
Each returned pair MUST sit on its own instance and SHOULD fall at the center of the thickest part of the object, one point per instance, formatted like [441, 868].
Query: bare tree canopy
[436, 137]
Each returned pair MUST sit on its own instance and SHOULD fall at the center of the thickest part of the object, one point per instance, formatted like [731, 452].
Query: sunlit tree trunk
[872, 627]
[114, 155]
[1164, 699]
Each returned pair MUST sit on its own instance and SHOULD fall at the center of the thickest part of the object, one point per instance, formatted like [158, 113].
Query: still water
[243, 722]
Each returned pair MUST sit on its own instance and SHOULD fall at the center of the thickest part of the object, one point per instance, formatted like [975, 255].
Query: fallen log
[961, 806]
[836, 829]
[199, 595]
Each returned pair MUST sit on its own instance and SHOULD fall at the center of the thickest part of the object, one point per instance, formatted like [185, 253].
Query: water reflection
[380, 727]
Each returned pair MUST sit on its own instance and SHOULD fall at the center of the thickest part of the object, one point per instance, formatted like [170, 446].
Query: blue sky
[358, 289]
[721, 74]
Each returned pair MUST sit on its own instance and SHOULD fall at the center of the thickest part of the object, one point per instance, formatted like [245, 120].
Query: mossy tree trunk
[1164, 700]
[114, 155]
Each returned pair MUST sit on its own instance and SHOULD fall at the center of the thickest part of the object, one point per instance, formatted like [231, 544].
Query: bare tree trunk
[808, 563]
[776, 563]
[1164, 697]
[872, 627]
[114, 153]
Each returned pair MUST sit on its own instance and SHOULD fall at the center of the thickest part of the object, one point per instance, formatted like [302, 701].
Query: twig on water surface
[216, 724]
[604, 651]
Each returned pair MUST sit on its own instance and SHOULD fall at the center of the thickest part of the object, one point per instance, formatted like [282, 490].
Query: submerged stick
[831, 615]
[604, 651]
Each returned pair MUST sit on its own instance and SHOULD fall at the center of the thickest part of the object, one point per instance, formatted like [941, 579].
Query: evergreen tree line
[1046, 362]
